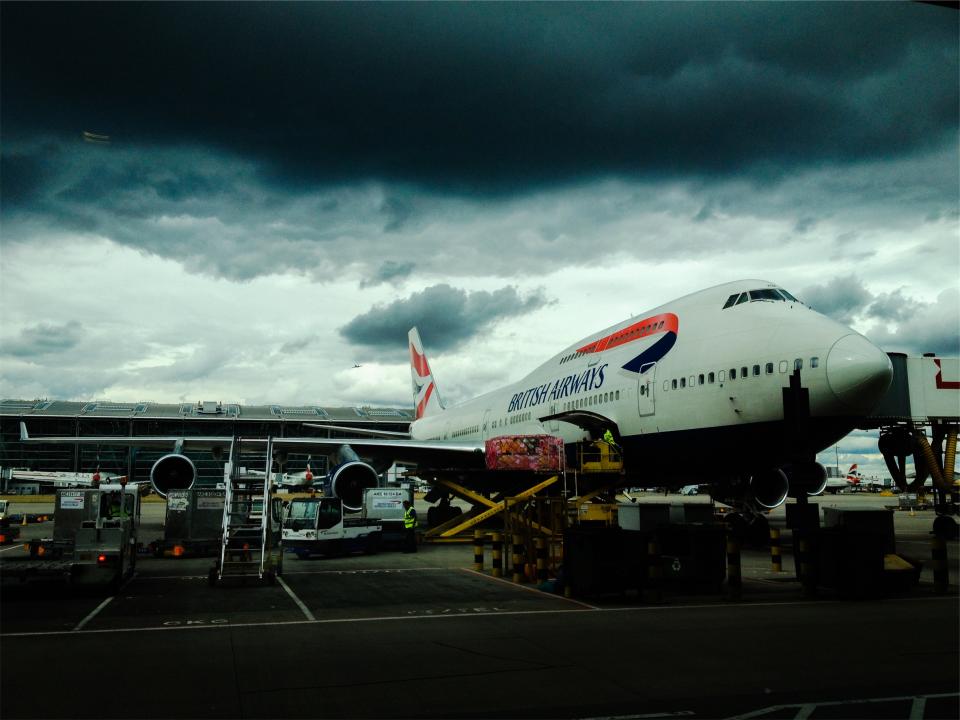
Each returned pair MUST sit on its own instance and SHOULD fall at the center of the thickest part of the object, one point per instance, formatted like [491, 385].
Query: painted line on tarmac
[92, 615]
[805, 710]
[359, 571]
[530, 589]
[303, 608]
[390, 618]
[16, 546]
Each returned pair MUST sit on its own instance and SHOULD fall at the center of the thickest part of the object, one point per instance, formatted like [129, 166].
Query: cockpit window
[764, 294]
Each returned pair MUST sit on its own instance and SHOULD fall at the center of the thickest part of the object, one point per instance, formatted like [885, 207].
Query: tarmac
[423, 635]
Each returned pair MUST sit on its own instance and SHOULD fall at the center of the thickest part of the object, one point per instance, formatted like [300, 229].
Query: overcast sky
[286, 188]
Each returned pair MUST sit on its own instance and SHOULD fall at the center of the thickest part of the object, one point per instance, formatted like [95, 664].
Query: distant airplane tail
[426, 395]
[853, 475]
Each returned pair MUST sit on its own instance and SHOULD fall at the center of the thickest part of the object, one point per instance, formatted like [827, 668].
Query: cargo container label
[177, 504]
[210, 502]
[71, 501]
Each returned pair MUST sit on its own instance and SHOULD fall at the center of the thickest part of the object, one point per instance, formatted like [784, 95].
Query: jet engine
[172, 472]
[765, 490]
[769, 488]
[808, 478]
[349, 480]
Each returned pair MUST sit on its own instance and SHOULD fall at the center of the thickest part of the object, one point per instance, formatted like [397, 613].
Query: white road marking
[919, 705]
[362, 571]
[92, 615]
[645, 716]
[298, 601]
[388, 618]
[530, 589]
[15, 546]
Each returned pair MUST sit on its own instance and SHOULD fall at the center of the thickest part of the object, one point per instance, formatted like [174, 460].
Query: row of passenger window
[466, 431]
[743, 373]
[512, 420]
[592, 400]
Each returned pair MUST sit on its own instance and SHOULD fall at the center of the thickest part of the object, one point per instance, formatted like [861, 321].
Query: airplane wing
[360, 431]
[414, 452]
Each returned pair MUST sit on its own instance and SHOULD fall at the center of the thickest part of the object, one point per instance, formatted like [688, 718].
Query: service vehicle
[94, 539]
[9, 532]
[193, 524]
[319, 526]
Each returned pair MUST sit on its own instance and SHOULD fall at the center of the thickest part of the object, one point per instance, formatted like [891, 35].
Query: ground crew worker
[409, 527]
[608, 439]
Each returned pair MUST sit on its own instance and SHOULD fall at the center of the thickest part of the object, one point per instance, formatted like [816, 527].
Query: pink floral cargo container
[539, 453]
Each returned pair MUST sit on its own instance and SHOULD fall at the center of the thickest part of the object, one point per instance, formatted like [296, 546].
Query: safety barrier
[496, 553]
[653, 592]
[517, 557]
[776, 558]
[734, 575]
[941, 572]
[478, 550]
[808, 579]
[541, 550]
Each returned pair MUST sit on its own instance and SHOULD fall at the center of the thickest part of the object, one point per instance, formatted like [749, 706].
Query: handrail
[265, 514]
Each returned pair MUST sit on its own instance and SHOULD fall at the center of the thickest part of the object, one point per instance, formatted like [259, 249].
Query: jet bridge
[925, 393]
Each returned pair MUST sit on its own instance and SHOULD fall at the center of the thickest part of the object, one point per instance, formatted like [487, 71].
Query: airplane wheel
[945, 528]
[737, 525]
[759, 531]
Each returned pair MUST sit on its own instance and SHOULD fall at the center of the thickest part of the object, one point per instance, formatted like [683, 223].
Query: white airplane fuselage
[692, 387]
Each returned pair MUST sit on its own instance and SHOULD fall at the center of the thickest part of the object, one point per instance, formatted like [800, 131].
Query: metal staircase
[250, 546]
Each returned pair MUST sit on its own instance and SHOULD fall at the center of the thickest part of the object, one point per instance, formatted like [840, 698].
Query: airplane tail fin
[426, 395]
[852, 474]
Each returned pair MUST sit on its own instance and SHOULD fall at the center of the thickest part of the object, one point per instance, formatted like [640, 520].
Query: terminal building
[58, 418]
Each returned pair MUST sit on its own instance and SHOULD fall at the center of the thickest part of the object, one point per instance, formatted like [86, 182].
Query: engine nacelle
[349, 480]
[808, 478]
[172, 472]
[769, 489]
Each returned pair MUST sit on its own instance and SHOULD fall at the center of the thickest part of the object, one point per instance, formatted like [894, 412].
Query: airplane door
[553, 425]
[646, 387]
[485, 431]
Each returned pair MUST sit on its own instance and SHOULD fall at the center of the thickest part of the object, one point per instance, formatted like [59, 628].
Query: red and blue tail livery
[426, 396]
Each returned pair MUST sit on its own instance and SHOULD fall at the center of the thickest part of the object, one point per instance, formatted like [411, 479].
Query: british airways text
[590, 379]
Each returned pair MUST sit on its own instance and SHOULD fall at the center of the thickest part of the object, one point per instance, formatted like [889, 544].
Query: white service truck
[319, 526]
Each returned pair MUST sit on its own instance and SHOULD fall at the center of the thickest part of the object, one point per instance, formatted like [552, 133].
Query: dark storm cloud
[924, 327]
[898, 322]
[44, 339]
[486, 96]
[389, 271]
[444, 315]
[841, 298]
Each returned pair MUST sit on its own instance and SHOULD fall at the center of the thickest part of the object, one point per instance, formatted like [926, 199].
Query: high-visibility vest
[409, 518]
[608, 438]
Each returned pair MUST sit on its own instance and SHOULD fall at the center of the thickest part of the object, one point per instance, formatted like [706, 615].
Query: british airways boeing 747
[737, 386]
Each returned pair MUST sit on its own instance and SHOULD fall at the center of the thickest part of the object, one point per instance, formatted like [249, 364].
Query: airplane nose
[858, 372]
